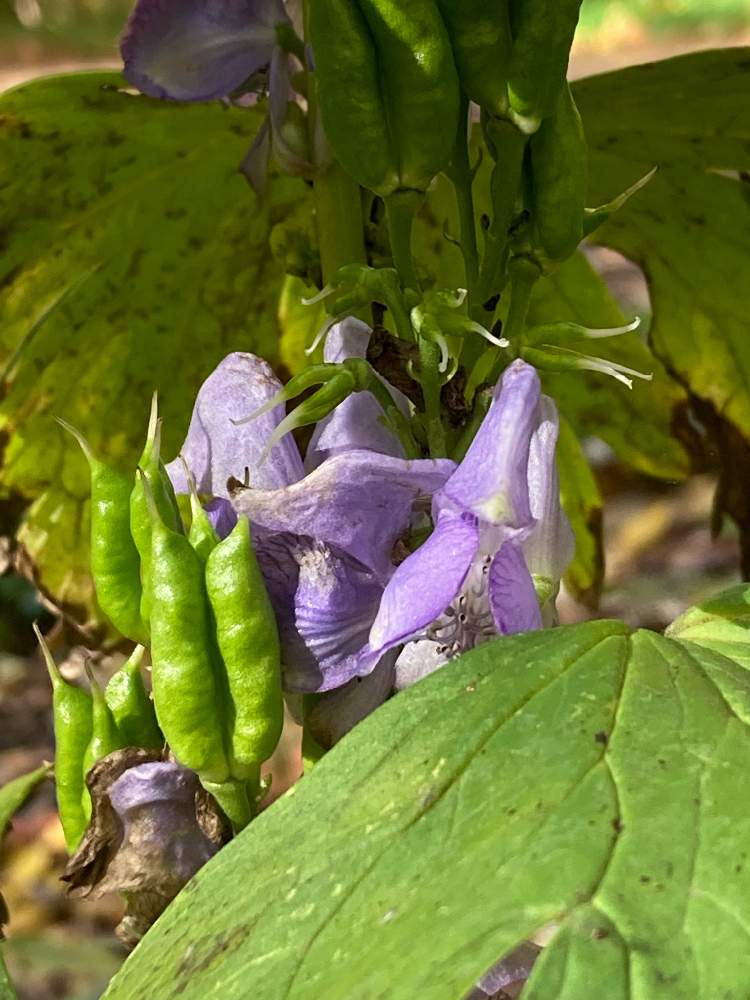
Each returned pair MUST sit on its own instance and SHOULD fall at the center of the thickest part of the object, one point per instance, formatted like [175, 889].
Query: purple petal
[491, 480]
[196, 50]
[158, 799]
[418, 659]
[426, 582]
[216, 449]
[513, 600]
[255, 162]
[357, 422]
[334, 607]
[514, 968]
[358, 502]
[336, 713]
[325, 603]
[222, 516]
[551, 544]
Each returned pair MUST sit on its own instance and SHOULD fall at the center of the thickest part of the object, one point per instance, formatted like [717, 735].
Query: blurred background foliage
[659, 551]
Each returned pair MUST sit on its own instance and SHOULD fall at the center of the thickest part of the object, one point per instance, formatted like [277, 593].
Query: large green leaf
[134, 258]
[583, 775]
[689, 229]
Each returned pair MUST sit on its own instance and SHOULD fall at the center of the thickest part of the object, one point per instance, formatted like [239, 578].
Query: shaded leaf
[689, 228]
[721, 623]
[583, 504]
[16, 792]
[637, 422]
[6, 986]
[581, 775]
[134, 257]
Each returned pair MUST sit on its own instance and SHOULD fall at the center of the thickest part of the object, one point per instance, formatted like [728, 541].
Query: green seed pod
[131, 707]
[187, 689]
[544, 32]
[201, 536]
[164, 500]
[72, 711]
[482, 41]
[115, 564]
[248, 641]
[387, 88]
[105, 736]
[559, 166]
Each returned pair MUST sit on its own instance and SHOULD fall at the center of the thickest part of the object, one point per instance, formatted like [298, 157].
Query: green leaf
[6, 986]
[637, 422]
[721, 623]
[689, 228]
[135, 257]
[581, 775]
[582, 502]
[15, 792]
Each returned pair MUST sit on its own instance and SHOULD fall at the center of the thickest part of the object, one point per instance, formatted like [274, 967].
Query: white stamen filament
[322, 332]
[324, 292]
[484, 332]
[468, 621]
[614, 331]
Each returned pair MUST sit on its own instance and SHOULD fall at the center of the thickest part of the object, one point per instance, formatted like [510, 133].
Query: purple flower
[325, 540]
[200, 50]
[497, 521]
[196, 50]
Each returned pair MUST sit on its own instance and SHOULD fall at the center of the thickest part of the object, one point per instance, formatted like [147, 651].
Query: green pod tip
[52, 668]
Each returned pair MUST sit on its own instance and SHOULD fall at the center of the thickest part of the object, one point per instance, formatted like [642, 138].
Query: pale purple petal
[514, 968]
[513, 600]
[426, 582]
[216, 449]
[158, 800]
[334, 607]
[550, 546]
[222, 516]
[418, 659]
[255, 163]
[491, 480]
[324, 602]
[358, 421]
[196, 50]
[359, 502]
[335, 713]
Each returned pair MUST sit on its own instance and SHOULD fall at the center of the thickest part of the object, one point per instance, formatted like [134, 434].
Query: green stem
[234, 802]
[461, 177]
[482, 401]
[507, 145]
[397, 421]
[338, 218]
[400, 209]
[429, 378]
[524, 274]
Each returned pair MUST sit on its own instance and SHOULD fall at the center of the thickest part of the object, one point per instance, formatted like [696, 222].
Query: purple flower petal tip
[222, 516]
[197, 50]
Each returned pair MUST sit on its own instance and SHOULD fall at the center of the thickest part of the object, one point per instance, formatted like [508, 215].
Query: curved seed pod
[544, 32]
[187, 690]
[164, 500]
[201, 535]
[248, 641]
[482, 41]
[115, 564]
[72, 712]
[559, 167]
[105, 736]
[131, 707]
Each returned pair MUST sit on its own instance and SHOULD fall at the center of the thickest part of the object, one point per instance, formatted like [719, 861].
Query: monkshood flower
[324, 540]
[199, 50]
[501, 541]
